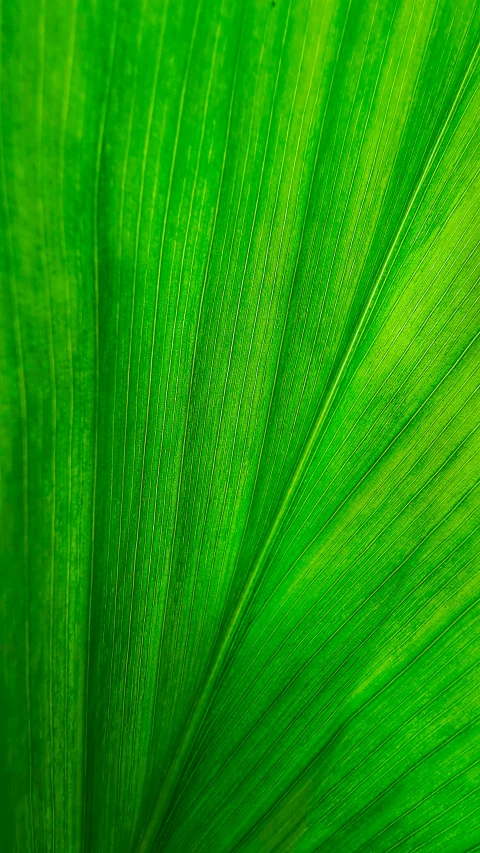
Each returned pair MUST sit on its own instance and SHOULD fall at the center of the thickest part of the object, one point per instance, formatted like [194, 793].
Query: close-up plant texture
[239, 426]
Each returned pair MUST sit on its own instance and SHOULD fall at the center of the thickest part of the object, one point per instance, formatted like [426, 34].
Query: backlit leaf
[239, 422]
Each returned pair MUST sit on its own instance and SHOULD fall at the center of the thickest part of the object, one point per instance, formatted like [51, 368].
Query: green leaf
[239, 422]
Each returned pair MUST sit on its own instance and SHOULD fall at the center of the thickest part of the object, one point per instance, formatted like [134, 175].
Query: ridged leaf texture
[239, 365]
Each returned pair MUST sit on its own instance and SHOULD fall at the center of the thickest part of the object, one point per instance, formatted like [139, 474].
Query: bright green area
[239, 444]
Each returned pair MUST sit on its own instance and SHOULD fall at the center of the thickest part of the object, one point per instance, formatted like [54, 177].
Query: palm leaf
[239, 433]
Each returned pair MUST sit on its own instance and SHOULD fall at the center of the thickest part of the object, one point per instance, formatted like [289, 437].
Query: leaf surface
[239, 426]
